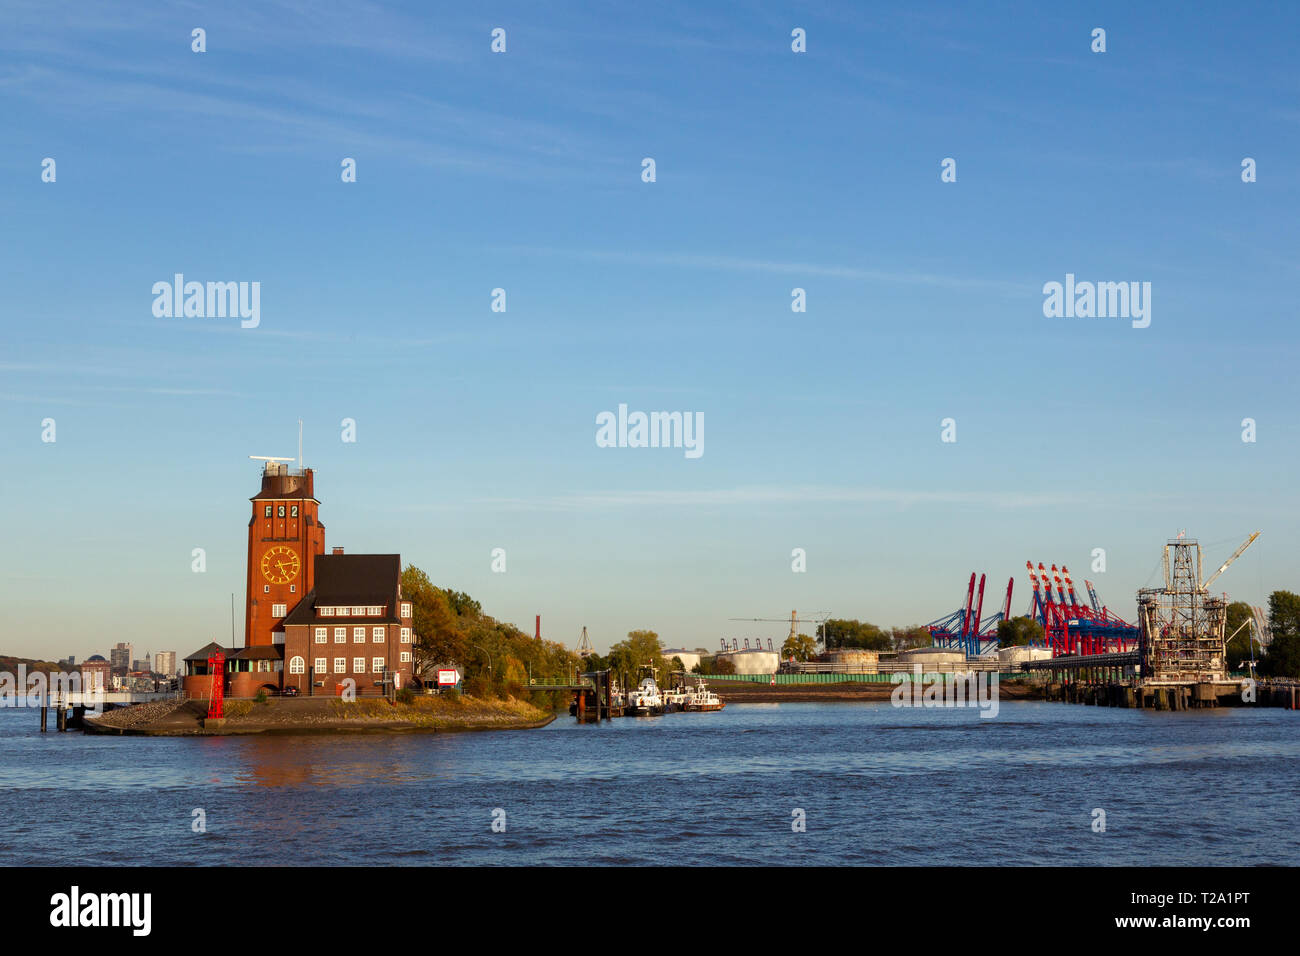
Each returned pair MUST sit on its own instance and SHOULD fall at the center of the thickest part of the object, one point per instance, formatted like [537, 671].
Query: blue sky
[522, 170]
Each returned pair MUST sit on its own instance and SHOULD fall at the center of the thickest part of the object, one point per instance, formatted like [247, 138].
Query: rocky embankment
[323, 715]
[138, 715]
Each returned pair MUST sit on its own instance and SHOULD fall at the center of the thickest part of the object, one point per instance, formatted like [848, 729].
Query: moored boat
[645, 700]
[701, 698]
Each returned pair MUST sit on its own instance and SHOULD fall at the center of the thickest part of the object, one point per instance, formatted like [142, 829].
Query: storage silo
[689, 658]
[933, 659]
[751, 660]
[1010, 658]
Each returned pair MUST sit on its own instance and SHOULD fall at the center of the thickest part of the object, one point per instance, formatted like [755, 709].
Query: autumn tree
[437, 638]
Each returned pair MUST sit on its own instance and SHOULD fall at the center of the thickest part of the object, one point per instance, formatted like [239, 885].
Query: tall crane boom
[1235, 555]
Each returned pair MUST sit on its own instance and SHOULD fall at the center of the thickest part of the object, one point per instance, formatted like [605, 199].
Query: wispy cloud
[749, 495]
[724, 263]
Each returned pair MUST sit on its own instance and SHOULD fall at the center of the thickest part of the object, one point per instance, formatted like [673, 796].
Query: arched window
[296, 665]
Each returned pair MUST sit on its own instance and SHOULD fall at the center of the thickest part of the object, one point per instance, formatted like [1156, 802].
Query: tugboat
[645, 700]
[702, 699]
[675, 700]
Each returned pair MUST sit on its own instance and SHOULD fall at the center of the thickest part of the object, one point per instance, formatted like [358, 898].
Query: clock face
[280, 564]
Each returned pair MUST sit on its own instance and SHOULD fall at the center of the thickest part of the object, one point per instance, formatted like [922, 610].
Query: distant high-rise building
[145, 666]
[120, 657]
[164, 663]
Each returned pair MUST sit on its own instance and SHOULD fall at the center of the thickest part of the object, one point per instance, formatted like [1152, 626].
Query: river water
[876, 784]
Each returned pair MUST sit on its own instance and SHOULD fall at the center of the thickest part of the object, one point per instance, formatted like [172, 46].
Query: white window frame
[297, 665]
[376, 665]
[406, 609]
[406, 657]
[406, 635]
[377, 635]
[358, 665]
[375, 611]
[322, 635]
[340, 635]
[358, 635]
[279, 610]
[340, 665]
[358, 612]
[322, 665]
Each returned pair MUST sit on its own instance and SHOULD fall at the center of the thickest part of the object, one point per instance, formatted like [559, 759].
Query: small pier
[593, 695]
[595, 702]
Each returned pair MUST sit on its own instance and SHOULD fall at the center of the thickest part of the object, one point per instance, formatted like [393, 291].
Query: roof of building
[207, 650]
[357, 578]
[94, 659]
[351, 580]
[260, 652]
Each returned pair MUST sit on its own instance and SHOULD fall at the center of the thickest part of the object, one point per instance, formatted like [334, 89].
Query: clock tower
[284, 537]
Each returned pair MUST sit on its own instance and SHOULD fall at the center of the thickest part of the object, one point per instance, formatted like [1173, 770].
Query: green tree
[799, 646]
[840, 633]
[1282, 659]
[1238, 648]
[1019, 631]
[641, 648]
[904, 638]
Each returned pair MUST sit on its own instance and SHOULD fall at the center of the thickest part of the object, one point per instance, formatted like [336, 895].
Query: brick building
[311, 621]
[94, 674]
[354, 624]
